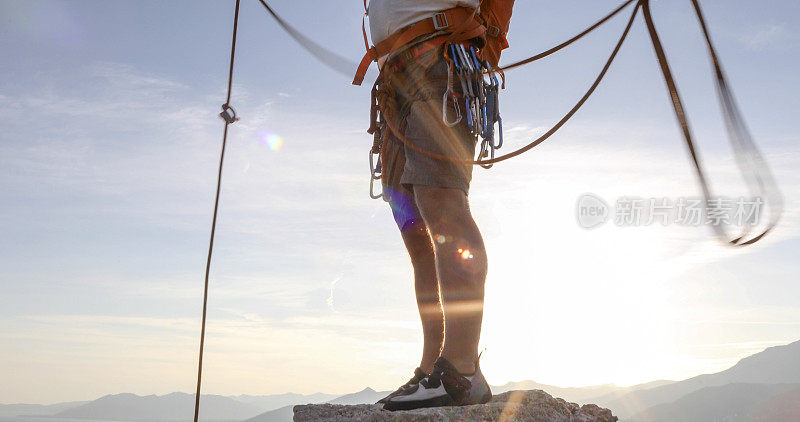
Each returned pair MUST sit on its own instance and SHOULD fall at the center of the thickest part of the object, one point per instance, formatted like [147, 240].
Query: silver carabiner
[450, 98]
[487, 151]
[499, 131]
[375, 173]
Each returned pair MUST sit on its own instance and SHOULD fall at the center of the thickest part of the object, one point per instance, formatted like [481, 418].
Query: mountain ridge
[169, 407]
[773, 365]
[736, 402]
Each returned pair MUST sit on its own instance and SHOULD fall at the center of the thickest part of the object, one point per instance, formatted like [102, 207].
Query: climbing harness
[487, 24]
[476, 71]
[459, 24]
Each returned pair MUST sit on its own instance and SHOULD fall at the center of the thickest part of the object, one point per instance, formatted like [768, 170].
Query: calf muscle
[461, 267]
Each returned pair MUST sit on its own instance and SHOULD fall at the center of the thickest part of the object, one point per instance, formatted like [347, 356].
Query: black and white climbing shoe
[419, 374]
[445, 386]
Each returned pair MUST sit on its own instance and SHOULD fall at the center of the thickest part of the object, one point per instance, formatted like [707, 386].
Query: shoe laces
[445, 373]
[418, 376]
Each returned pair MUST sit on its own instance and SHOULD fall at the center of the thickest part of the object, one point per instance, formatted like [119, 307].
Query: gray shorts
[418, 92]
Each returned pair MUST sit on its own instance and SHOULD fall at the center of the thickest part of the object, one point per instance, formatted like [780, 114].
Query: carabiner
[372, 193]
[475, 60]
[375, 171]
[468, 108]
[450, 98]
[476, 117]
[500, 131]
[487, 151]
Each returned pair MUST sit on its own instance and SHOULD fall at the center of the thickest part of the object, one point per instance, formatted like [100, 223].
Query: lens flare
[271, 140]
[465, 254]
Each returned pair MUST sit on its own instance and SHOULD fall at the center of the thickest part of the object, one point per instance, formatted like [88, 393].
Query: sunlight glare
[271, 140]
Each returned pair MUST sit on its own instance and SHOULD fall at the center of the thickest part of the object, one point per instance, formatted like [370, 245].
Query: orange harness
[459, 23]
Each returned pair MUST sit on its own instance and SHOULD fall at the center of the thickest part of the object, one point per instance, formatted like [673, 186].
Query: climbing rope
[228, 114]
[569, 41]
[326, 56]
[757, 174]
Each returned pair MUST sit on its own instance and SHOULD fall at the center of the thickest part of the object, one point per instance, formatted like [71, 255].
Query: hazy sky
[108, 155]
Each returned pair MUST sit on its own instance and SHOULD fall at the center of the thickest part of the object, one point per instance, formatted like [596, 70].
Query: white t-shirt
[388, 16]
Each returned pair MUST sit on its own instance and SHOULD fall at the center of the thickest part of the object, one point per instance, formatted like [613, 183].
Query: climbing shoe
[445, 386]
[419, 374]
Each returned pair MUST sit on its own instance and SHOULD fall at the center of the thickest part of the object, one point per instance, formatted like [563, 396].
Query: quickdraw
[481, 98]
[379, 130]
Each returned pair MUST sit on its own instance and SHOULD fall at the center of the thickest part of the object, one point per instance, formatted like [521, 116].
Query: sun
[572, 307]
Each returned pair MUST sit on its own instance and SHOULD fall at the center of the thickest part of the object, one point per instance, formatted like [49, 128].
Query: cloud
[766, 37]
[109, 353]
[143, 141]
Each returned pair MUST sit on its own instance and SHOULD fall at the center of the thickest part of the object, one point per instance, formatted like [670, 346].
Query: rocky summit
[528, 406]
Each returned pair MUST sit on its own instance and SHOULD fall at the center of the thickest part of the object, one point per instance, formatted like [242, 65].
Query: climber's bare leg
[461, 266]
[420, 249]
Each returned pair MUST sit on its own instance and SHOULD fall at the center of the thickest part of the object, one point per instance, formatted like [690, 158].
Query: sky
[108, 161]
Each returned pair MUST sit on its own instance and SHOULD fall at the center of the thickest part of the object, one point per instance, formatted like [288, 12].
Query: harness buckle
[493, 31]
[440, 21]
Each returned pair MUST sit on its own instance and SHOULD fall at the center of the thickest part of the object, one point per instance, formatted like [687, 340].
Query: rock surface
[529, 406]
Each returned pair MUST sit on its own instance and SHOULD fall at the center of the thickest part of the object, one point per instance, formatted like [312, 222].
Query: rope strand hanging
[757, 174]
[228, 114]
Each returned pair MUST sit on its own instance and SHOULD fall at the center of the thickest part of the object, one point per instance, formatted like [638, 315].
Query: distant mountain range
[285, 414]
[579, 394]
[775, 365]
[761, 387]
[281, 400]
[36, 409]
[171, 407]
[731, 403]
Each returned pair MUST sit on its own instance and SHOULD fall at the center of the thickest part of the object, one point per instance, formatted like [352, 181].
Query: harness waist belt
[460, 22]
